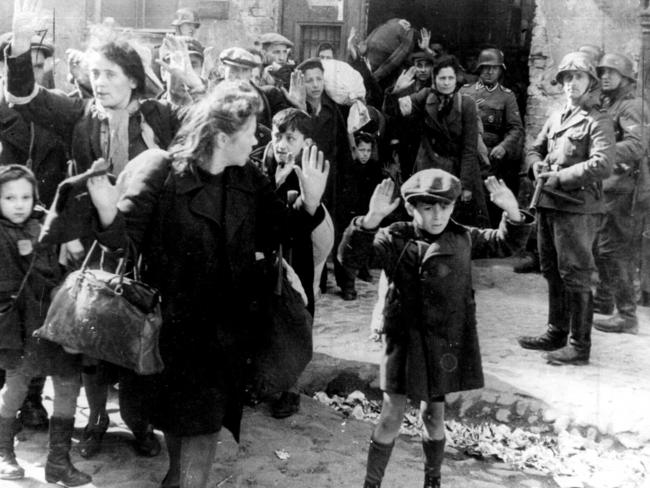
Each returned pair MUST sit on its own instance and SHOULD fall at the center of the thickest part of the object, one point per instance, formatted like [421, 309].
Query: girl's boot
[59, 468]
[9, 467]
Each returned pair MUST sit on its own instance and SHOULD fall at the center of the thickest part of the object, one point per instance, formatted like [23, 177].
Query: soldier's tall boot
[607, 278]
[58, 467]
[557, 328]
[625, 320]
[579, 347]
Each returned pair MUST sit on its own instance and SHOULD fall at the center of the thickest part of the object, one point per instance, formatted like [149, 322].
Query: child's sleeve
[504, 241]
[361, 247]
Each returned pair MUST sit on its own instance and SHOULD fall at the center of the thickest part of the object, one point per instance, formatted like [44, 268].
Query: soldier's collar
[494, 87]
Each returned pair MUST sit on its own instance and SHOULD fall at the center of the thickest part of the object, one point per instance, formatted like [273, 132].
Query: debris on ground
[573, 461]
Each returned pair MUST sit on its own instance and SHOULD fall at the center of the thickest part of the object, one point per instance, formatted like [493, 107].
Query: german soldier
[620, 231]
[570, 158]
[503, 130]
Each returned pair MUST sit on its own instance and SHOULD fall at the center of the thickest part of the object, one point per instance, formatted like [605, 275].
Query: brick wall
[562, 26]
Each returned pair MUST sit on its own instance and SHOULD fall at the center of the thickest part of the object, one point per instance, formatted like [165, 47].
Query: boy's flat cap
[238, 57]
[431, 185]
[274, 38]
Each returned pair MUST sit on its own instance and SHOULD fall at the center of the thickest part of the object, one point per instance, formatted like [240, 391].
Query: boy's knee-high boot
[378, 456]
[9, 467]
[59, 468]
[434, 452]
[579, 347]
[557, 328]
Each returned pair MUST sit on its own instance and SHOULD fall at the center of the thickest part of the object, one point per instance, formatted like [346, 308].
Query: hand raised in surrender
[503, 198]
[313, 177]
[28, 19]
[381, 204]
[297, 95]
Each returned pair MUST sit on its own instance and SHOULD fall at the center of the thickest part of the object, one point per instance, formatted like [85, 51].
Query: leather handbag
[107, 316]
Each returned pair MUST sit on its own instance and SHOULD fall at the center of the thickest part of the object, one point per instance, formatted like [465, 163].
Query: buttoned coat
[581, 151]
[434, 348]
[207, 273]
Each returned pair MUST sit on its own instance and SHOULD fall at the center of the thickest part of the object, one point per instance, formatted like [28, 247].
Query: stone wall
[562, 26]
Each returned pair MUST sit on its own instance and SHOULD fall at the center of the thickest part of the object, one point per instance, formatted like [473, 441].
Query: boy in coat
[430, 340]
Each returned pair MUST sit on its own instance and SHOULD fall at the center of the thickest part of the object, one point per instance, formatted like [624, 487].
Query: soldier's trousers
[565, 241]
[616, 251]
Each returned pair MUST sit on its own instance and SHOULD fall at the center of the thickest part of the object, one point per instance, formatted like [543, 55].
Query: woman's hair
[124, 54]
[226, 108]
[13, 172]
[447, 61]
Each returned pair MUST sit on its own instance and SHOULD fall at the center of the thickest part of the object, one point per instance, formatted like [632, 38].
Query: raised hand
[503, 198]
[313, 177]
[28, 20]
[404, 80]
[425, 39]
[179, 65]
[297, 95]
[381, 204]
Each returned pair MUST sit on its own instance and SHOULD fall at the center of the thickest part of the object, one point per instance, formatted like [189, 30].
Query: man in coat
[570, 158]
[503, 130]
[620, 231]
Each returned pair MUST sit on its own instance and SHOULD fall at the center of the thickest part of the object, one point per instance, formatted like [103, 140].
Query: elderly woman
[116, 124]
[199, 215]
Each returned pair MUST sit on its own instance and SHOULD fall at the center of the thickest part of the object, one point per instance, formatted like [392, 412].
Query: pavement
[604, 402]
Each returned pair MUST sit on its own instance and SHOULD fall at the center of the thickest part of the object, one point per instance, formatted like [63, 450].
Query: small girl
[29, 275]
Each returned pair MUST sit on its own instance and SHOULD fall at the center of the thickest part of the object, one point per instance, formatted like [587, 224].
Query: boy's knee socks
[378, 457]
[434, 452]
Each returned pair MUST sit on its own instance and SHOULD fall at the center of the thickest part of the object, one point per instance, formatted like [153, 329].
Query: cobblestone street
[604, 402]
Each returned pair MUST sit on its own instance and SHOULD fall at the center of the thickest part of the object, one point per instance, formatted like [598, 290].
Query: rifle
[553, 192]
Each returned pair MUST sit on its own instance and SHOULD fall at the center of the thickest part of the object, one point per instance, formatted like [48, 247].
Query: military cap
[274, 38]
[186, 16]
[431, 185]
[617, 62]
[576, 61]
[236, 56]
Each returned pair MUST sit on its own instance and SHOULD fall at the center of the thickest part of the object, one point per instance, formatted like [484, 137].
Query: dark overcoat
[78, 121]
[434, 348]
[20, 317]
[206, 270]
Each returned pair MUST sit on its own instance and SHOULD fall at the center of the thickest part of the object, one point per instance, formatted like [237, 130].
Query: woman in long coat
[448, 124]
[199, 216]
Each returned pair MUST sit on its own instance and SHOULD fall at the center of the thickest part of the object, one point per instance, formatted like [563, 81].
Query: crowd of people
[216, 159]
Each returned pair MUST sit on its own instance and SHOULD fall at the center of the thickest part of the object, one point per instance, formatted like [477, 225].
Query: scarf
[115, 134]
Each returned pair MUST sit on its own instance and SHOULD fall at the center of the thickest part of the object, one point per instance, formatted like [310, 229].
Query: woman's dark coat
[434, 349]
[206, 270]
[78, 121]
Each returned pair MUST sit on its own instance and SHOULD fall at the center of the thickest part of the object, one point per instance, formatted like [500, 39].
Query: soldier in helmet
[570, 158]
[186, 22]
[620, 231]
[503, 130]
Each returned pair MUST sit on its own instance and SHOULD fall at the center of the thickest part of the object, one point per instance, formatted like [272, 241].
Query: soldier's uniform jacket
[497, 108]
[626, 110]
[581, 150]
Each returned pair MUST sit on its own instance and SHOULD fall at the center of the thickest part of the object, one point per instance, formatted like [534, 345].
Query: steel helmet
[490, 57]
[576, 61]
[617, 62]
[186, 16]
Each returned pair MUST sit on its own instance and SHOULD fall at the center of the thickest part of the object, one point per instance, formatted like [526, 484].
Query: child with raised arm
[429, 315]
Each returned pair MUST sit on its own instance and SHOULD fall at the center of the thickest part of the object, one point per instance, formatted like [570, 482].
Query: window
[311, 35]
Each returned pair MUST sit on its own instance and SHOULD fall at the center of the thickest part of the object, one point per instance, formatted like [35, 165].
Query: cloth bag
[107, 316]
[285, 346]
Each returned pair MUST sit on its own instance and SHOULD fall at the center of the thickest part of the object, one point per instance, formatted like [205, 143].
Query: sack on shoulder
[107, 316]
